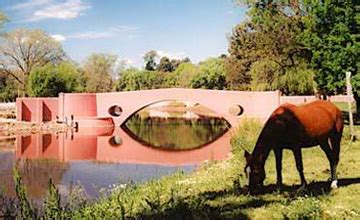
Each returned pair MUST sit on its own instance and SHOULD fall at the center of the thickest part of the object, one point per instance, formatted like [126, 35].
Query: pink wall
[78, 104]
[50, 109]
[37, 109]
[298, 100]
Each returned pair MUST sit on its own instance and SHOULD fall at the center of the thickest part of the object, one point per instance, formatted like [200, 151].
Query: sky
[197, 29]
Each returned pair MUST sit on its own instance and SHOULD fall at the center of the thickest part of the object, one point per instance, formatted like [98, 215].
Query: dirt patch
[7, 143]
[7, 110]
[9, 128]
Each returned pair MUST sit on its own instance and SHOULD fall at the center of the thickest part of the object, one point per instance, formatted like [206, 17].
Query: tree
[183, 75]
[99, 72]
[8, 91]
[135, 79]
[22, 50]
[210, 75]
[167, 65]
[150, 60]
[50, 80]
[269, 39]
[332, 34]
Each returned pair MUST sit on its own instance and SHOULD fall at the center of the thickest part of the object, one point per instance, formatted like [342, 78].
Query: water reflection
[106, 156]
[103, 156]
[175, 133]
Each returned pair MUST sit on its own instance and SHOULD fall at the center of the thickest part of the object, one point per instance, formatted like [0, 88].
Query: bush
[50, 80]
[210, 75]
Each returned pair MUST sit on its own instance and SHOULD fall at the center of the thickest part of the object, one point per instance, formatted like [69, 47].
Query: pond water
[148, 146]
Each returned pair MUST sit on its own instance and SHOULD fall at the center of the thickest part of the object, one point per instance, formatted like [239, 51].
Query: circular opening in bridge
[115, 141]
[115, 110]
[236, 110]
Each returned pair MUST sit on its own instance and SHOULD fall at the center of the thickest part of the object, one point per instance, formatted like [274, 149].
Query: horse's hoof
[334, 184]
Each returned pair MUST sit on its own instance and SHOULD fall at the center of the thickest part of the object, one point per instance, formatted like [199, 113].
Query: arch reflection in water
[68, 147]
[174, 125]
[93, 161]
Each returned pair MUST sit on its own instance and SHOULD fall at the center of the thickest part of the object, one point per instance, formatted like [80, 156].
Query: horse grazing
[295, 127]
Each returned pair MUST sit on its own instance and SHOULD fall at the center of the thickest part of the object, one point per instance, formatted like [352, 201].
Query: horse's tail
[337, 132]
[339, 122]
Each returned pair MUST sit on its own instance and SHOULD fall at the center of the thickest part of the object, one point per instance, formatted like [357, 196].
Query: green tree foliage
[50, 80]
[99, 71]
[22, 50]
[150, 60]
[266, 50]
[8, 88]
[135, 79]
[183, 74]
[210, 75]
[333, 35]
[167, 65]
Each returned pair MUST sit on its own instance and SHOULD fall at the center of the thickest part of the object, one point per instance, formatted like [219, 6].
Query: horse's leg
[278, 156]
[335, 140]
[332, 150]
[299, 164]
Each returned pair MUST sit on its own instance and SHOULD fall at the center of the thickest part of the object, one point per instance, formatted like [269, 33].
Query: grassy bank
[216, 190]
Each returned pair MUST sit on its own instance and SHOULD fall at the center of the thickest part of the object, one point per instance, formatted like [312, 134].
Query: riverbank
[13, 127]
[217, 189]
[9, 126]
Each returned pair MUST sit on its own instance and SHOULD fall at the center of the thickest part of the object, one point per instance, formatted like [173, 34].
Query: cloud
[171, 55]
[30, 4]
[110, 32]
[91, 35]
[58, 37]
[39, 10]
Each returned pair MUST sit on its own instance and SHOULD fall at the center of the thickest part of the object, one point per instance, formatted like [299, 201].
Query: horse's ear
[247, 156]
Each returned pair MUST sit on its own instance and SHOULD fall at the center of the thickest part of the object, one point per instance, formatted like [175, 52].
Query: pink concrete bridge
[106, 109]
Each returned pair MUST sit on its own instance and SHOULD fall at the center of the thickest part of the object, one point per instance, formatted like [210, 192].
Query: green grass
[344, 106]
[216, 189]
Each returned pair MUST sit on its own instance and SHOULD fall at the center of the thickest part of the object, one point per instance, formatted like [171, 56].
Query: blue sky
[128, 28]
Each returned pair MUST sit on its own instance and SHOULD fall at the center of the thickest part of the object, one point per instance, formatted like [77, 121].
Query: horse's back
[314, 120]
[322, 114]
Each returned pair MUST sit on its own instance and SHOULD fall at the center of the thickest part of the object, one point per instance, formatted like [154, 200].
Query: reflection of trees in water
[35, 175]
[176, 133]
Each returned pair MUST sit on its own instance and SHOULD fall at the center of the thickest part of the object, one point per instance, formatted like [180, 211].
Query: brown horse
[294, 127]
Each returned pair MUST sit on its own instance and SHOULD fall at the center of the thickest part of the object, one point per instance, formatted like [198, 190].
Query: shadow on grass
[208, 205]
[228, 204]
[312, 189]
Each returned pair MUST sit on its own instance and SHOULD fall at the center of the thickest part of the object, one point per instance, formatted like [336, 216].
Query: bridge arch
[169, 100]
[254, 104]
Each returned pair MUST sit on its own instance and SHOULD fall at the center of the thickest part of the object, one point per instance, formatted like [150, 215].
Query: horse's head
[254, 172]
